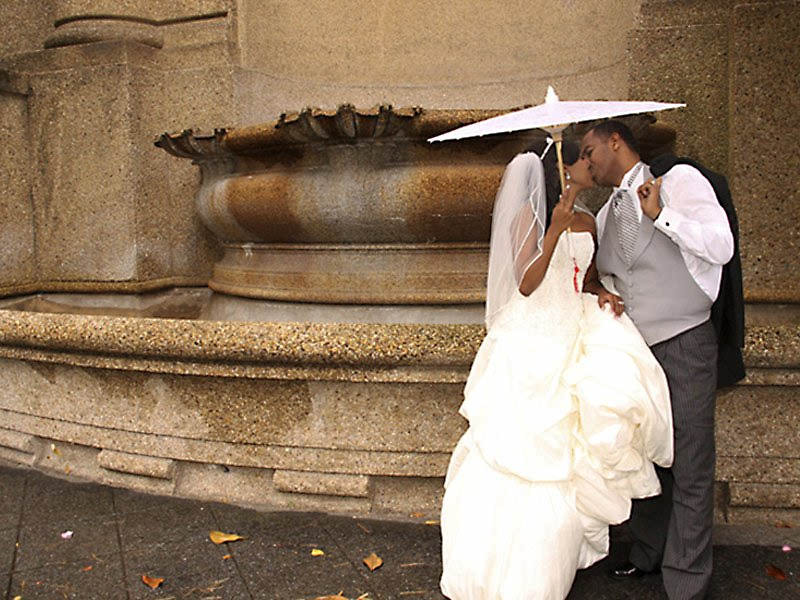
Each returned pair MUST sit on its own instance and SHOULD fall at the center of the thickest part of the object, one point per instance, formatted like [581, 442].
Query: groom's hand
[648, 194]
[605, 297]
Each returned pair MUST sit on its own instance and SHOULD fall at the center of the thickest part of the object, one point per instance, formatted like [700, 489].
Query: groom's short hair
[605, 128]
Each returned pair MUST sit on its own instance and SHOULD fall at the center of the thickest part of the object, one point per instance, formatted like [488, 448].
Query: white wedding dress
[567, 412]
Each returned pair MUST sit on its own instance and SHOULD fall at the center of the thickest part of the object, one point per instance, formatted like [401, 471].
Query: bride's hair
[570, 152]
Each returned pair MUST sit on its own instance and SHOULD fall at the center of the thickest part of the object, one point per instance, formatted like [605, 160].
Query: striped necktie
[625, 216]
[627, 223]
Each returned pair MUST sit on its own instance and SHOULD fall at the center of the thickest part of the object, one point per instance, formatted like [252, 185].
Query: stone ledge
[748, 469]
[354, 351]
[765, 495]
[228, 454]
[136, 464]
[332, 484]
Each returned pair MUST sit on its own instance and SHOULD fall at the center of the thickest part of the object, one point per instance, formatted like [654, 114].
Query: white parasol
[553, 116]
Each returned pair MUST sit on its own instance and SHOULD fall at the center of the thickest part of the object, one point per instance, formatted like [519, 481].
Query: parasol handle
[557, 138]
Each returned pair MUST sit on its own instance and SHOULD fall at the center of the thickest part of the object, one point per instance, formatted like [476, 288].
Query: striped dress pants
[673, 530]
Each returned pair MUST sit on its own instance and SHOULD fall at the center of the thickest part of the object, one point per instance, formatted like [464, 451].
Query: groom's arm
[691, 215]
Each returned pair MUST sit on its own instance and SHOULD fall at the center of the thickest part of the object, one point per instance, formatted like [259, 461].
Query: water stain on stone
[47, 371]
[450, 203]
[246, 411]
[265, 205]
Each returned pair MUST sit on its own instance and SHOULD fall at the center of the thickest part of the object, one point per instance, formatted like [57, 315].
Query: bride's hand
[563, 213]
[615, 302]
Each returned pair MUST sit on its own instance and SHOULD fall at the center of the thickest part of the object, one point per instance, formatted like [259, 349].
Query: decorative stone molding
[81, 22]
[17, 447]
[331, 484]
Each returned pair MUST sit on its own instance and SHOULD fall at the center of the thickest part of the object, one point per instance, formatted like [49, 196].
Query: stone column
[735, 65]
[84, 107]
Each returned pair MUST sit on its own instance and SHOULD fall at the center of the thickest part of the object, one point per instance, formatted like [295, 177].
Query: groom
[663, 244]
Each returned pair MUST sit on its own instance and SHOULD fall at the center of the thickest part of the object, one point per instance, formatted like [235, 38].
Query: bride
[567, 408]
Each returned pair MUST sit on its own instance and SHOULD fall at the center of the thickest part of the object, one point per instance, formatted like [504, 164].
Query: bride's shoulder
[583, 222]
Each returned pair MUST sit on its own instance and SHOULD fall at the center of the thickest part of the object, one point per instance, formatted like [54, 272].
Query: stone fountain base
[337, 414]
[312, 407]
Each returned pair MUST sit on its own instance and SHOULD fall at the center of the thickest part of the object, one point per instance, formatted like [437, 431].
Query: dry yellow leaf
[226, 557]
[431, 522]
[317, 552]
[17, 597]
[218, 537]
[373, 561]
[152, 582]
[334, 597]
[87, 568]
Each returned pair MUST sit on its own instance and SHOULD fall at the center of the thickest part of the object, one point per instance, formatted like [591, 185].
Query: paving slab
[8, 540]
[277, 559]
[103, 581]
[412, 564]
[12, 489]
[170, 523]
[42, 543]
[120, 535]
[51, 499]
[190, 569]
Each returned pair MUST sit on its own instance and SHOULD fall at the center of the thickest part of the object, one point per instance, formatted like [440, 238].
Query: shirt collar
[631, 179]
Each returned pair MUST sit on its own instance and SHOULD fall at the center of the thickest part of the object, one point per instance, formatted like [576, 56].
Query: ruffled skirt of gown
[564, 429]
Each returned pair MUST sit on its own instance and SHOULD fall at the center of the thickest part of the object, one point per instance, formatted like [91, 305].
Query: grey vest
[661, 297]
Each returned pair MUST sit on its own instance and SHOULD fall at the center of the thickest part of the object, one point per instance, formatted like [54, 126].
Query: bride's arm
[560, 220]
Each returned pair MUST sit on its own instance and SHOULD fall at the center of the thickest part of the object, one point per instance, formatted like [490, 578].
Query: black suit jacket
[727, 312]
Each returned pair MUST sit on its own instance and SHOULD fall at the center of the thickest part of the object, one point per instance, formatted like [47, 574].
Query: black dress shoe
[629, 570]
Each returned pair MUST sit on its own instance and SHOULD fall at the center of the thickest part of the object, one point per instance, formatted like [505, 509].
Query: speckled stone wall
[736, 66]
[455, 54]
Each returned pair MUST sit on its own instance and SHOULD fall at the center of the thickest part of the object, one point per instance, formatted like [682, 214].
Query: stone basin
[351, 206]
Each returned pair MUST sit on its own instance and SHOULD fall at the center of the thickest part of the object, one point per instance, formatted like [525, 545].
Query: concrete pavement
[119, 535]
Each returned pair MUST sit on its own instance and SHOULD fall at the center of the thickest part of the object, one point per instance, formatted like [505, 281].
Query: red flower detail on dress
[575, 276]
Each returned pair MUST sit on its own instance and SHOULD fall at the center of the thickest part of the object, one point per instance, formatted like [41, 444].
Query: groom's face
[600, 156]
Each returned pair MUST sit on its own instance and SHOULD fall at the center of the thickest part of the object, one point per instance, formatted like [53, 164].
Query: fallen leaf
[776, 573]
[67, 535]
[432, 522]
[17, 597]
[87, 568]
[334, 597]
[152, 582]
[317, 552]
[226, 557]
[363, 527]
[373, 561]
[417, 515]
[218, 537]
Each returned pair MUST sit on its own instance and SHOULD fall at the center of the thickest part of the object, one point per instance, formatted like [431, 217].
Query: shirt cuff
[668, 221]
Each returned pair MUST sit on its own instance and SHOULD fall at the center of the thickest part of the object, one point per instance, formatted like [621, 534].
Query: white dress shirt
[691, 217]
